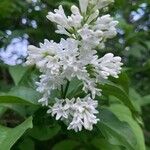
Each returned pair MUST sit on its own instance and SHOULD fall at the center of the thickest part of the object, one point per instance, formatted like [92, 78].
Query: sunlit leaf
[117, 91]
[124, 114]
[20, 95]
[9, 136]
[17, 73]
[116, 131]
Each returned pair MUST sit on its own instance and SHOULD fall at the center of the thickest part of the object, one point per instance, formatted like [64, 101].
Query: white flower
[96, 4]
[90, 37]
[66, 24]
[41, 56]
[85, 110]
[75, 19]
[48, 82]
[58, 110]
[76, 123]
[80, 112]
[44, 99]
[108, 65]
[97, 33]
[61, 108]
[59, 17]
[90, 86]
[83, 5]
[107, 25]
[50, 53]
[62, 30]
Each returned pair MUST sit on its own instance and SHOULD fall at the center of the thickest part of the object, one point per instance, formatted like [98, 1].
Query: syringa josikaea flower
[59, 110]
[50, 54]
[92, 29]
[97, 33]
[107, 25]
[80, 112]
[94, 4]
[106, 66]
[66, 24]
[76, 57]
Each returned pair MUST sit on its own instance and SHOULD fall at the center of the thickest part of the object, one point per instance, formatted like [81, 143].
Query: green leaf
[44, 133]
[116, 131]
[75, 87]
[103, 144]
[17, 73]
[66, 145]
[20, 95]
[117, 91]
[123, 81]
[19, 109]
[147, 148]
[124, 114]
[136, 98]
[142, 101]
[2, 110]
[134, 95]
[145, 100]
[8, 136]
[26, 144]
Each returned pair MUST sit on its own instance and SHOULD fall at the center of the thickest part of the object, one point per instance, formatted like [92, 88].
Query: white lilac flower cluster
[76, 57]
[80, 112]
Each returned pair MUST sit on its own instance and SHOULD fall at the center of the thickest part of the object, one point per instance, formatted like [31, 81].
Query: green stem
[62, 91]
[66, 89]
